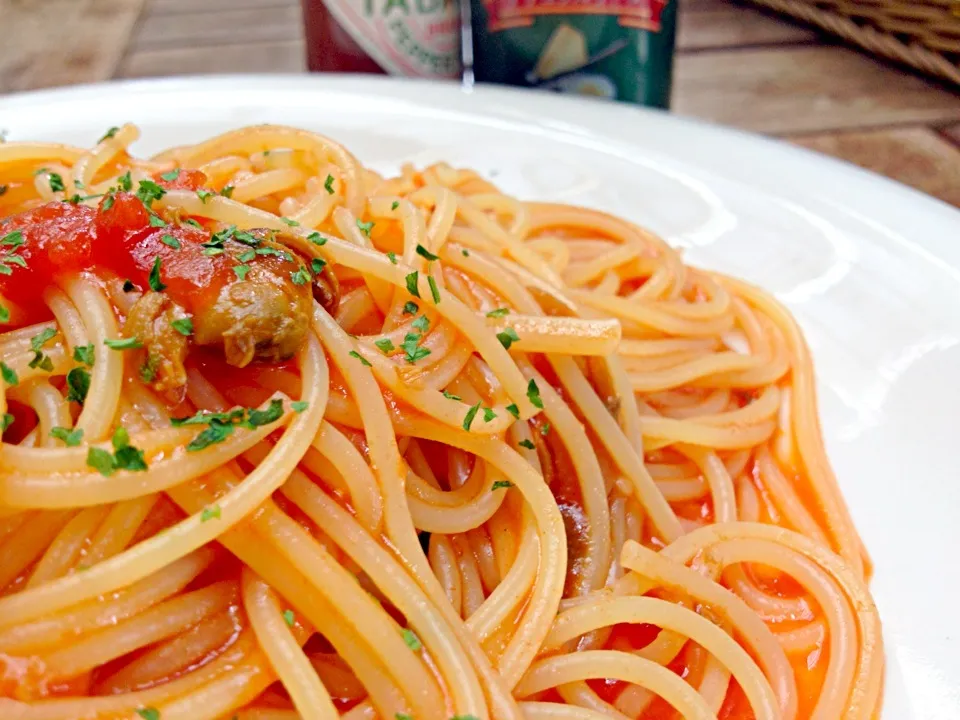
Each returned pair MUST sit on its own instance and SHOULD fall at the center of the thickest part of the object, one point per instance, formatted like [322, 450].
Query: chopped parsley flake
[513, 410]
[241, 271]
[9, 375]
[36, 344]
[123, 344]
[216, 432]
[465, 252]
[328, 184]
[227, 191]
[526, 444]
[171, 176]
[184, 326]
[411, 640]
[192, 223]
[109, 134]
[317, 265]
[451, 396]
[434, 290]
[533, 394]
[107, 203]
[124, 182]
[157, 221]
[396, 204]
[248, 255]
[507, 338]
[56, 182]
[148, 371]
[471, 414]
[424, 253]
[78, 385]
[412, 348]
[6, 422]
[72, 438]
[154, 277]
[170, 241]
[205, 195]
[410, 308]
[258, 418]
[365, 227]
[210, 513]
[148, 191]
[317, 239]
[501, 484]
[421, 323]
[288, 221]
[4, 314]
[151, 713]
[84, 354]
[385, 345]
[488, 414]
[125, 456]
[299, 406]
[301, 276]
[392, 257]
[498, 313]
[289, 618]
[545, 429]
[412, 280]
[13, 239]
[358, 356]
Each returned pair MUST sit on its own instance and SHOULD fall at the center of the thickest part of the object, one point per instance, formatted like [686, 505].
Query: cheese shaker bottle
[614, 49]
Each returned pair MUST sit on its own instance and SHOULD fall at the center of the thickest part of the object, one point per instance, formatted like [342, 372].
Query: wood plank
[805, 89]
[174, 7]
[917, 157]
[61, 42]
[227, 27]
[280, 57]
[722, 24]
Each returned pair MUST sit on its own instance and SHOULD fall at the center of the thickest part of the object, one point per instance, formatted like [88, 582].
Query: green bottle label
[618, 49]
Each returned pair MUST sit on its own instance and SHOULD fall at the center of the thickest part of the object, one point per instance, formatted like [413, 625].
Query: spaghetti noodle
[285, 438]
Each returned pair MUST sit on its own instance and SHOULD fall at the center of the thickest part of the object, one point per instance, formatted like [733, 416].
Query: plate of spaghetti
[349, 398]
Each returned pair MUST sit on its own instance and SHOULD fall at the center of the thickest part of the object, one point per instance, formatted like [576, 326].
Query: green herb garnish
[123, 344]
[84, 354]
[412, 280]
[507, 338]
[154, 278]
[533, 394]
[424, 253]
[78, 385]
[72, 438]
[9, 375]
[184, 326]
[471, 414]
[358, 356]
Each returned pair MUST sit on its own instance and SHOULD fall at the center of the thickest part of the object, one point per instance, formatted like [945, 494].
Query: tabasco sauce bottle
[415, 38]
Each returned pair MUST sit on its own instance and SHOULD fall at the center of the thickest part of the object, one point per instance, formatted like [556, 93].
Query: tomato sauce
[119, 236]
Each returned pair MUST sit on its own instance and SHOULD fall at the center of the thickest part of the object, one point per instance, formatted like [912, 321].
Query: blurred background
[869, 81]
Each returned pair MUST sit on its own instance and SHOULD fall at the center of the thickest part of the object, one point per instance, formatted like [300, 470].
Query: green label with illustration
[616, 49]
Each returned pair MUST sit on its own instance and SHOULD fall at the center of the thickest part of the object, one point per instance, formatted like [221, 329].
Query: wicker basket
[921, 33]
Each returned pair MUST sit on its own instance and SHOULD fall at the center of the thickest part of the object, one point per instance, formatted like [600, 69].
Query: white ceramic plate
[870, 268]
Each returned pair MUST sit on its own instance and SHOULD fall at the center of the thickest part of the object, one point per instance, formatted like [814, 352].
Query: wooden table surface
[735, 65]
